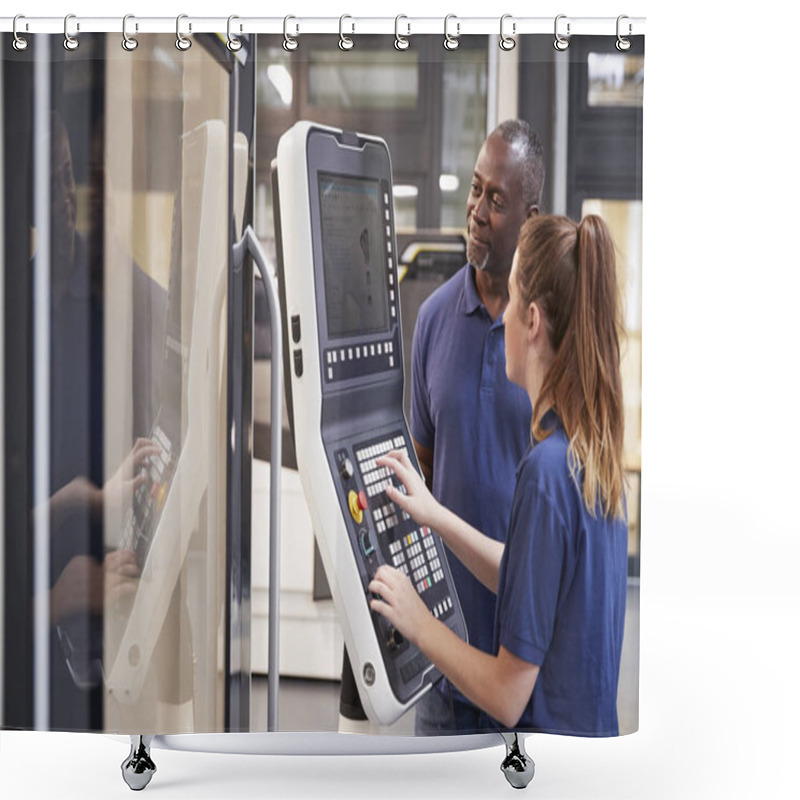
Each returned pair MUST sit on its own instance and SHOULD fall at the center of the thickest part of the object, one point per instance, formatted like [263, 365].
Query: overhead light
[449, 183]
[405, 190]
[281, 79]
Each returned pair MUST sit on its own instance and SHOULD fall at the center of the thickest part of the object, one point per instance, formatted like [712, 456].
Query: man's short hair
[522, 138]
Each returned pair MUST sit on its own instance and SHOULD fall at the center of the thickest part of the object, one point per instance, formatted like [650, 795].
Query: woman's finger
[398, 497]
[393, 462]
[144, 452]
[383, 608]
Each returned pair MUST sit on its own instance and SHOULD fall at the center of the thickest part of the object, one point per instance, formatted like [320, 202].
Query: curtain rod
[451, 26]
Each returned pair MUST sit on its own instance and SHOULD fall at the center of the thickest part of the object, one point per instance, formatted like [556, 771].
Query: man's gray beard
[479, 265]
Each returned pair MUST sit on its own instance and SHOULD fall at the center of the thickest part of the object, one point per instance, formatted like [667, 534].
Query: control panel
[334, 216]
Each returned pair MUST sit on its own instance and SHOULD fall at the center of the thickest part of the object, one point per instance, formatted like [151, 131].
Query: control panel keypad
[149, 498]
[411, 548]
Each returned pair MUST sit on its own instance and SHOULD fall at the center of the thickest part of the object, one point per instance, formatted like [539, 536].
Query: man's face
[495, 207]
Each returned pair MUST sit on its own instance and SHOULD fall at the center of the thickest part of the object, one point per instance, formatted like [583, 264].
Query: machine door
[125, 547]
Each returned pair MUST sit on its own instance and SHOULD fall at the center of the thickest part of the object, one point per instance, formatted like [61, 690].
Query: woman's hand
[129, 475]
[399, 603]
[87, 586]
[416, 500]
[121, 574]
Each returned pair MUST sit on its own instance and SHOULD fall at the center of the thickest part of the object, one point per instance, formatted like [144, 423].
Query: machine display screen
[353, 255]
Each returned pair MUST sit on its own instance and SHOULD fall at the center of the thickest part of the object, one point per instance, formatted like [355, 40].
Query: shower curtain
[136, 357]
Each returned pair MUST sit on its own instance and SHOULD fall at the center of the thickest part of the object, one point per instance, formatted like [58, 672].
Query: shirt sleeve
[422, 427]
[536, 560]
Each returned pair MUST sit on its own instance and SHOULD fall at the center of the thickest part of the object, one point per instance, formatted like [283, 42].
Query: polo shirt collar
[472, 301]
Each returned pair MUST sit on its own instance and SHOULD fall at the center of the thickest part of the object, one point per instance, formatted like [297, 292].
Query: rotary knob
[346, 469]
[395, 639]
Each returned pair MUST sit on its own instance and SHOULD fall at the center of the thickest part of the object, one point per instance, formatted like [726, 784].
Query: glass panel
[616, 79]
[463, 129]
[363, 79]
[165, 234]
[128, 449]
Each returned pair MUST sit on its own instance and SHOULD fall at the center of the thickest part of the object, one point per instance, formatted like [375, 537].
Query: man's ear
[533, 210]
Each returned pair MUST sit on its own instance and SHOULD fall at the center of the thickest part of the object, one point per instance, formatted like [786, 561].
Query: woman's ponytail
[571, 271]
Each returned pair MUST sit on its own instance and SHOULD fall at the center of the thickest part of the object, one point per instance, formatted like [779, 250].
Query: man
[469, 423]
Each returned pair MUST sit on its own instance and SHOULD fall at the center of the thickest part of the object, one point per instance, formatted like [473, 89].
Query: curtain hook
[623, 44]
[234, 44]
[345, 42]
[561, 43]
[181, 42]
[128, 42]
[506, 42]
[20, 42]
[401, 42]
[289, 42]
[451, 42]
[70, 42]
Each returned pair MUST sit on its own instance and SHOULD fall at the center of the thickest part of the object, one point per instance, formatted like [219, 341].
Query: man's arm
[425, 458]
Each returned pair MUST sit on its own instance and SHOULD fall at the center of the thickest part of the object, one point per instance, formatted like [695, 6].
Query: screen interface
[353, 252]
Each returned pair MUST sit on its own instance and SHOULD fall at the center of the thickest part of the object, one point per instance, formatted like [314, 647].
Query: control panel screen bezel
[350, 358]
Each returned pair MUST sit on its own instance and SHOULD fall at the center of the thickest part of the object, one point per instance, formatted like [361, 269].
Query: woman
[560, 578]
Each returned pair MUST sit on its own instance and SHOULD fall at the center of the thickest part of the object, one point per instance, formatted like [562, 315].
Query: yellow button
[355, 508]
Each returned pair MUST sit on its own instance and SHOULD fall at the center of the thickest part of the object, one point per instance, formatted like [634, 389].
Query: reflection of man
[83, 577]
[470, 425]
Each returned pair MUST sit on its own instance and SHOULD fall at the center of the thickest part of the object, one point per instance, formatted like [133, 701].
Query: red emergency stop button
[357, 503]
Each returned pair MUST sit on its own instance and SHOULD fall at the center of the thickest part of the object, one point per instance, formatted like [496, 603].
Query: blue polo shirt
[561, 595]
[475, 420]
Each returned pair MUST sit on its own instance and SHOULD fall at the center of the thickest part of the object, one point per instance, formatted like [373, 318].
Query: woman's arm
[501, 685]
[477, 552]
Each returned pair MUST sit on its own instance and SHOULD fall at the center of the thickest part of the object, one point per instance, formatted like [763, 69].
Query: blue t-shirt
[561, 595]
[475, 420]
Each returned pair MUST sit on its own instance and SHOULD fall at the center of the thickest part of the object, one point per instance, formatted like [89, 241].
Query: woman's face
[516, 331]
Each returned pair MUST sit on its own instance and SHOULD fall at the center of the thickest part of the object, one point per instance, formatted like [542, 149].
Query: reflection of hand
[84, 585]
[129, 475]
[121, 574]
[79, 588]
[399, 602]
[417, 500]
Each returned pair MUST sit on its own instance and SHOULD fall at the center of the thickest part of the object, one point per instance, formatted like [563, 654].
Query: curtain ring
[181, 42]
[289, 42]
[20, 42]
[234, 44]
[345, 42]
[401, 42]
[451, 42]
[561, 43]
[506, 42]
[623, 44]
[70, 42]
[128, 42]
